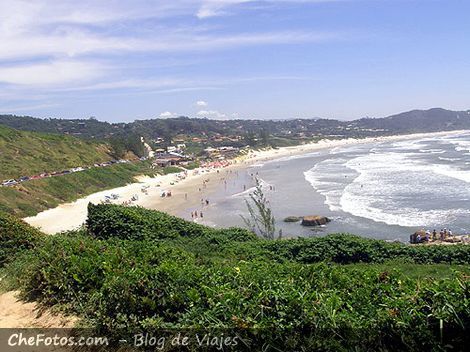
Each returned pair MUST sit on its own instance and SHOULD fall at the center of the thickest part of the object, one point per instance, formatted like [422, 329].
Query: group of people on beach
[195, 214]
[426, 236]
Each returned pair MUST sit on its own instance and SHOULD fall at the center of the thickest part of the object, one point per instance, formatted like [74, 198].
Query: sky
[272, 59]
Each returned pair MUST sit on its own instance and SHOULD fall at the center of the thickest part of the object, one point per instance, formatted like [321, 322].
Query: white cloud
[202, 103]
[167, 115]
[212, 8]
[9, 110]
[61, 46]
[50, 73]
[214, 114]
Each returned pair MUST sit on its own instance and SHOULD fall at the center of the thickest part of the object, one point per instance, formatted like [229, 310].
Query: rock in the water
[292, 219]
[314, 220]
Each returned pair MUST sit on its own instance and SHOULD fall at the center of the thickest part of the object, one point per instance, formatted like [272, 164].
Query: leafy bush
[146, 271]
[347, 249]
[135, 223]
[235, 234]
[15, 236]
[126, 287]
[108, 221]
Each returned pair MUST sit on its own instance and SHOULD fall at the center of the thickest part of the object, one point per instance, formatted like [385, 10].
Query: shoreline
[188, 190]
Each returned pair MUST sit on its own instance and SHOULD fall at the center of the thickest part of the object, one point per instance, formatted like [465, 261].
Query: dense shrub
[143, 271]
[15, 236]
[113, 221]
[108, 221]
[135, 223]
[235, 234]
[126, 287]
[347, 249]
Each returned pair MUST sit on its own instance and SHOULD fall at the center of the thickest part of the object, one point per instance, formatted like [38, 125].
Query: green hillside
[25, 153]
[32, 197]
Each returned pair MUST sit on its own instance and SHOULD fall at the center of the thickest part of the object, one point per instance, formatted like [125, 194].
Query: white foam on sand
[432, 151]
[294, 157]
[324, 179]
[264, 185]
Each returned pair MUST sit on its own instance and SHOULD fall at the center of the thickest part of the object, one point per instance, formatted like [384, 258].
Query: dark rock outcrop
[314, 220]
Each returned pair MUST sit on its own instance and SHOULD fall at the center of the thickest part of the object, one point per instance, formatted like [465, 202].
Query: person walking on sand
[195, 213]
[201, 214]
[185, 196]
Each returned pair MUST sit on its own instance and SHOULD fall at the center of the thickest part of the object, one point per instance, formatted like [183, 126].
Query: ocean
[384, 190]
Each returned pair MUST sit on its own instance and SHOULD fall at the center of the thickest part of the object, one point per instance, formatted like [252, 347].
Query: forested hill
[408, 122]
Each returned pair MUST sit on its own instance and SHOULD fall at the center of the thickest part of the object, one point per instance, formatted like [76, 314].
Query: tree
[264, 137]
[250, 138]
[118, 147]
[261, 220]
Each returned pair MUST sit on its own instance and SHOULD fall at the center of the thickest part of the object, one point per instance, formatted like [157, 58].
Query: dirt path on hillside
[15, 313]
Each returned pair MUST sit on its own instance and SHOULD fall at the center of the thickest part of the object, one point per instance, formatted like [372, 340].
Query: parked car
[24, 178]
[9, 182]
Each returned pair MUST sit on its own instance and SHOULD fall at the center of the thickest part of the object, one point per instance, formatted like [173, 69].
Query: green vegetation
[120, 146]
[34, 196]
[192, 165]
[135, 270]
[256, 133]
[261, 220]
[15, 237]
[170, 170]
[29, 153]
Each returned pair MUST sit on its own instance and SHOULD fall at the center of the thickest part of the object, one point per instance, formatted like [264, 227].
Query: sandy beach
[187, 188]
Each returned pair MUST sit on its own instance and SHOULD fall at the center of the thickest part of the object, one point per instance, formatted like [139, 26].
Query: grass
[29, 198]
[170, 170]
[415, 271]
[30, 153]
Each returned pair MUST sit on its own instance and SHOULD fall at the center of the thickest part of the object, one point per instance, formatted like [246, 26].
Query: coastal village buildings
[221, 152]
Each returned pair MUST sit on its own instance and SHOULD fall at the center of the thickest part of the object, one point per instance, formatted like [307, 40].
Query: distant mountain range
[432, 120]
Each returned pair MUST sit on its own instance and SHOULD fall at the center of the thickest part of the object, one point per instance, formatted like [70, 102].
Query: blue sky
[127, 60]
